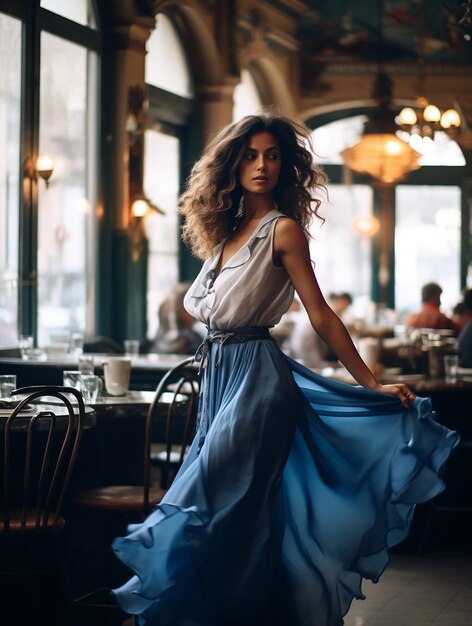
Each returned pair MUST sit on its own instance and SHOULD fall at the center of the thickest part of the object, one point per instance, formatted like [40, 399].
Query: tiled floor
[432, 590]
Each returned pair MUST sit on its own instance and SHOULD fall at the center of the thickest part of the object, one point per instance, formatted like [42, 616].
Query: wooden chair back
[174, 407]
[39, 453]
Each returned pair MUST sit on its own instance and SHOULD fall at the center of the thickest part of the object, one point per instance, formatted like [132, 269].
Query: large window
[427, 222]
[170, 88]
[342, 256]
[10, 111]
[79, 11]
[66, 250]
[47, 236]
[427, 243]
[246, 98]
[161, 182]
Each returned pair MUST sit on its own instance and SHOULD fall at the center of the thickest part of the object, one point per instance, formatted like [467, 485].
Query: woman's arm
[291, 247]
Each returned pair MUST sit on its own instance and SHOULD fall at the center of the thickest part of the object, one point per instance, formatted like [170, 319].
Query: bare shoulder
[288, 234]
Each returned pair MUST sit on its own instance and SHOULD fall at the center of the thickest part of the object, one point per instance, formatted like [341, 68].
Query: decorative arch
[272, 85]
[203, 56]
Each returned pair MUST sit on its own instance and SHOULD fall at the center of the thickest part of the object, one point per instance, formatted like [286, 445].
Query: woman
[295, 486]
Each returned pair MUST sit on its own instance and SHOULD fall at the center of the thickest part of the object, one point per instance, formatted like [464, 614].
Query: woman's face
[260, 166]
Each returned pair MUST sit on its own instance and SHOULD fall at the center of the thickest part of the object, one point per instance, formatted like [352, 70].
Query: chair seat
[118, 497]
[159, 454]
[16, 522]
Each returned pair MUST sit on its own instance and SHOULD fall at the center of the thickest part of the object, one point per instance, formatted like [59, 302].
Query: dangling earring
[241, 209]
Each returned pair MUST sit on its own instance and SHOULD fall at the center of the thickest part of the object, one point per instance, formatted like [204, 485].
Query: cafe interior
[105, 105]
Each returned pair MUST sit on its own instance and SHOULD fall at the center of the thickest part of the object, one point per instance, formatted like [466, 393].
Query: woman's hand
[403, 392]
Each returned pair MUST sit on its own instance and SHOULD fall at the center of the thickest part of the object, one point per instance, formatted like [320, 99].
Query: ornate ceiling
[373, 30]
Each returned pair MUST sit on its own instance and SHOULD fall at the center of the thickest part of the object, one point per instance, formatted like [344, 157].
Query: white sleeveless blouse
[249, 290]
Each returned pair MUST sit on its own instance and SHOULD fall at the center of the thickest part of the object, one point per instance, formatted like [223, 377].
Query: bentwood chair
[40, 448]
[177, 400]
[171, 418]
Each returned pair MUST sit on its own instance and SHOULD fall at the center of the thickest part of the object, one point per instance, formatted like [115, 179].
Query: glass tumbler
[7, 385]
[90, 387]
[86, 365]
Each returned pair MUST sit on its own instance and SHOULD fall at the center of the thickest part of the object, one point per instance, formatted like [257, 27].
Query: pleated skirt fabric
[292, 492]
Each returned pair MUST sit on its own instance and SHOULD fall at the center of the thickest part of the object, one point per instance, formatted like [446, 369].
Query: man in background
[430, 315]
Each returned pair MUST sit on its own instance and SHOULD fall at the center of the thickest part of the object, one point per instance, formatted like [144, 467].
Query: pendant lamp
[380, 153]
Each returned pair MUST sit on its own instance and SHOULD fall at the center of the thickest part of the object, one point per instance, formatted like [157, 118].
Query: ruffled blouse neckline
[243, 254]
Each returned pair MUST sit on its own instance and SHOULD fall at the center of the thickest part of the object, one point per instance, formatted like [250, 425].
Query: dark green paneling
[103, 282]
[466, 234]
[191, 147]
[127, 291]
[28, 288]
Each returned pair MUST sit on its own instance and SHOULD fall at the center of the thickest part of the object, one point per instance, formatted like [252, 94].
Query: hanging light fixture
[366, 225]
[380, 153]
[420, 122]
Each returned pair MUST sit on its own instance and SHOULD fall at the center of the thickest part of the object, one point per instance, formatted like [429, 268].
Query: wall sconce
[43, 168]
[140, 207]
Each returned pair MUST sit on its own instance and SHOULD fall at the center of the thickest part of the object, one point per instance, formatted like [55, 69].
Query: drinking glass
[59, 344]
[7, 385]
[91, 387]
[72, 378]
[131, 347]
[451, 367]
[25, 344]
[77, 343]
[86, 365]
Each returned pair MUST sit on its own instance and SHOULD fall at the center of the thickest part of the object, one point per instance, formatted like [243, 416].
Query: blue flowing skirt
[299, 489]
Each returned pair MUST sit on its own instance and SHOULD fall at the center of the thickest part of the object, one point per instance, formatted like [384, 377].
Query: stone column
[216, 106]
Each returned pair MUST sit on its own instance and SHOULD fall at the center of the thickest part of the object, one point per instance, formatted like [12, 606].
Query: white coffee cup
[117, 371]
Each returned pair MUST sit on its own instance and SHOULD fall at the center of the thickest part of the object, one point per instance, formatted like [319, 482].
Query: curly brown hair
[213, 192]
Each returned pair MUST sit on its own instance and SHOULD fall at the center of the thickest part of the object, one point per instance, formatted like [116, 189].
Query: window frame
[430, 175]
[36, 20]
[442, 175]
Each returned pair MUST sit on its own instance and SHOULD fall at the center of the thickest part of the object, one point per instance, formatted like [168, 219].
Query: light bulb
[450, 118]
[139, 208]
[366, 225]
[393, 147]
[407, 116]
[45, 167]
[431, 113]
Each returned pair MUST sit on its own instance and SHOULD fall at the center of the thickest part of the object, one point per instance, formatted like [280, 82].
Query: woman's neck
[257, 205]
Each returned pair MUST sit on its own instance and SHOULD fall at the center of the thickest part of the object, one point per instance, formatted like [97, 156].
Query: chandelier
[380, 153]
[420, 122]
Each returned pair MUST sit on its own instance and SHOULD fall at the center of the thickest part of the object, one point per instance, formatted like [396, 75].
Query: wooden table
[21, 423]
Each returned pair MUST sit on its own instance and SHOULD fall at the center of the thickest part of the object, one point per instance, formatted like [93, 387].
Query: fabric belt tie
[233, 335]
[202, 356]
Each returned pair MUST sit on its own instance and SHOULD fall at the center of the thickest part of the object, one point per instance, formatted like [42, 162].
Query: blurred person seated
[462, 312]
[282, 331]
[306, 346]
[458, 313]
[465, 345]
[464, 321]
[430, 315]
[176, 333]
[341, 305]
